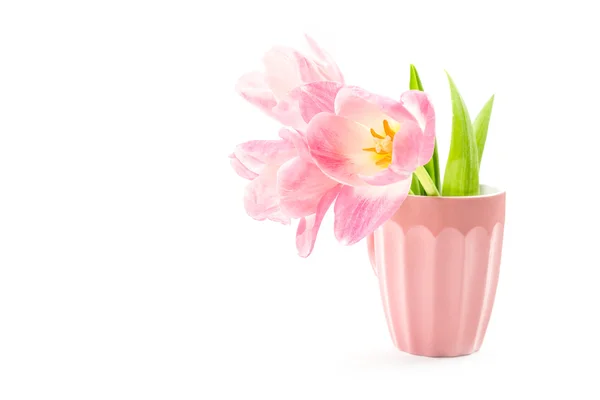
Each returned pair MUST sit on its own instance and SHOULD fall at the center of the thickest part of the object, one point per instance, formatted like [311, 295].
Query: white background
[129, 270]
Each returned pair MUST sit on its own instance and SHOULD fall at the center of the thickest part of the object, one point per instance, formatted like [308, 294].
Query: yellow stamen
[376, 135]
[371, 149]
[384, 161]
[387, 129]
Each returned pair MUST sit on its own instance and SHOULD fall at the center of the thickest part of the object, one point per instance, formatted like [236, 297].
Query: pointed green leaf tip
[481, 124]
[415, 81]
[433, 166]
[462, 170]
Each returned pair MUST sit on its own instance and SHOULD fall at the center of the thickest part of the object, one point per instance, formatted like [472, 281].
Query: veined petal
[261, 200]
[369, 109]
[328, 67]
[385, 177]
[352, 102]
[300, 185]
[254, 89]
[418, 104]
[407, 147]
[287, 111]
[308, 228]
[255, 154]
[361, 210]
[315, 98]
[299, 141]
[286, 69]
[420, 107]
[240, 168]
[337, 146]
[302, 103]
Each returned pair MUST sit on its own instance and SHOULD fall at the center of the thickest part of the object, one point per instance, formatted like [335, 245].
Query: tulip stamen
[376, 135]
[384, 161]
[384, 144]
[389, 131]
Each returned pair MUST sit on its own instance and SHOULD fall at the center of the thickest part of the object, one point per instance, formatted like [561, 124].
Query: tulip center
[382, 145]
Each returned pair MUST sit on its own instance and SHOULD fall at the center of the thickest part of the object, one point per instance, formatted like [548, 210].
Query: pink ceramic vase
[437, 260]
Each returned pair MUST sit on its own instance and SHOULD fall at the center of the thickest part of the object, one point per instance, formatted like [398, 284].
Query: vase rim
[485, 190]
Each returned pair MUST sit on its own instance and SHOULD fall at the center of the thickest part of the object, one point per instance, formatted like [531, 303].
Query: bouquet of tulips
[343, 146]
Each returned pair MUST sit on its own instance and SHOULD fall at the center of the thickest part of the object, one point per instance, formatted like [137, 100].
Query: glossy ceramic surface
[438, 260]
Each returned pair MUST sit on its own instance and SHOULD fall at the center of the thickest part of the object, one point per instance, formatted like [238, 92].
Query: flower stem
[426, 182]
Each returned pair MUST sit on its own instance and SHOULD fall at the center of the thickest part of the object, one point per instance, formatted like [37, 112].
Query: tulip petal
[371, 251]
[254, 89]
[353, 103]
[308, 228]
[280, 216]
[327, 65]
[281, 71]
[361, 210]
[286, 69]
[255, 154]
[420, 107]
[300, 186]
[261, 200]
[241, 169]
[304, 102]
[369, 109]
[407, 147]
[337, 146]
[315, 98]
[287, 111]
[385, 177]
[299, 141]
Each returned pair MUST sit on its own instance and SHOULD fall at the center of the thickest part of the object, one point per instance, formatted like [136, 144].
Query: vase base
[437, 354]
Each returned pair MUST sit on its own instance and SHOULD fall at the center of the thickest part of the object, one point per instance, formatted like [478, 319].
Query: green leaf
[426, 182]
[462, 170]
[415, 186]
[415, 81]
[481, 124]
[433, 166]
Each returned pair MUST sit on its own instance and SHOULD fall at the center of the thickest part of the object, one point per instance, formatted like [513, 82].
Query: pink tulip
[304, 191]
[286, 69]
[259, 161]
[371, 145]
[286, 183]
[277, 170]
[293, 89]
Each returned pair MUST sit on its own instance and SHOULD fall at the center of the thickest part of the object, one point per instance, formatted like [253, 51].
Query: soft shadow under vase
[437, 260]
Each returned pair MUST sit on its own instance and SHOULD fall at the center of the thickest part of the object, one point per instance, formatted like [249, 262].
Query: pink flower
[371, 145]
[305, 193]
[277, 169]
[285, 70]
[292, 90]
[259, 161]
